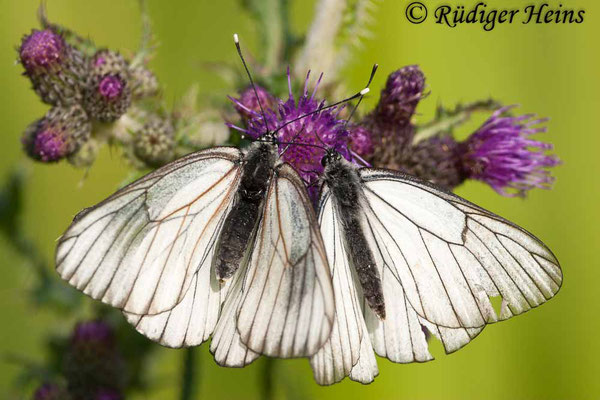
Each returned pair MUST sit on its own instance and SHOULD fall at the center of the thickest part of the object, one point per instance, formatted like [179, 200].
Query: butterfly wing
[443, 258]
[140, 249]
[287, 307]
[192, 321]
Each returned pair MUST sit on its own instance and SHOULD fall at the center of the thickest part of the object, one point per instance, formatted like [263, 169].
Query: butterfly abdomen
[257, 170]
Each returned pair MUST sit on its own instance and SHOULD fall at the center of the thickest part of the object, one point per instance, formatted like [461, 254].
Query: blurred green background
[553, 70]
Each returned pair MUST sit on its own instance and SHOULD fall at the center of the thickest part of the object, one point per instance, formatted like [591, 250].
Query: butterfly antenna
[318, 110]
[236, 40]
[375, 66]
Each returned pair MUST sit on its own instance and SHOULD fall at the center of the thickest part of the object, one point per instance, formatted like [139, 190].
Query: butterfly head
[331, 156]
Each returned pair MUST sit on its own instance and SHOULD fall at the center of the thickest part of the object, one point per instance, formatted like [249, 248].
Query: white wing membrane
[193, 320]
[140, 249]
[226, 344]
[287, 309]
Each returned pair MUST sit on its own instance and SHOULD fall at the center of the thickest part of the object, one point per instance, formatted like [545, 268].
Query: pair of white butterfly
[226, 242]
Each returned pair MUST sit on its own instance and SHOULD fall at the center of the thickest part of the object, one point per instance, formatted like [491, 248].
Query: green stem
[190, 369]
[267, 379]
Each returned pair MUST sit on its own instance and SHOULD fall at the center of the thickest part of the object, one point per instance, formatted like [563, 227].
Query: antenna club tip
[236, 39]
[365, 91]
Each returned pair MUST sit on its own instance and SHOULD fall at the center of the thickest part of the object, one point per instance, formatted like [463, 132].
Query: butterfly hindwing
[287, 309]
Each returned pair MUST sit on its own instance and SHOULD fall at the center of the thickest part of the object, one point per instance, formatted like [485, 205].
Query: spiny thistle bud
[402, 92]
[143, 83]
[92, 362]
[50, 391]
[501, 154]
[248, 105]
[108, 89]
[56, 69]
[154, 143]
[59, 134]
[390, 123]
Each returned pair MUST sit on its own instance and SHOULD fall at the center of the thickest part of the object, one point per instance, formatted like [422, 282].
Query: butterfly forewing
[140, 249]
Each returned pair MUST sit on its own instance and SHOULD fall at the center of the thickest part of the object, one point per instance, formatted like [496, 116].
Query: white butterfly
[405, 254]
[163, 249]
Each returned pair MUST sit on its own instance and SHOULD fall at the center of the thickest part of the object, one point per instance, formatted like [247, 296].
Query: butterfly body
[344, 183]
[257, 171]
[435, 259]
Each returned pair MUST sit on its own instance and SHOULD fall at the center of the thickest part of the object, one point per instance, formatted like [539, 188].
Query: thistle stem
[189, 385]
[267, 379]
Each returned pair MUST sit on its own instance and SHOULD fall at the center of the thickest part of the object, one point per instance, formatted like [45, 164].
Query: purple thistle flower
[92, 332]
[110, 87]
[248, 106]
[322, 129]
[501, 154]
[59, 134]
[56, 70]
[92, 362]
[42, 51]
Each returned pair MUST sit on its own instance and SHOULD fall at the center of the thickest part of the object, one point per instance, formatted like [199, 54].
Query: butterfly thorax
[256, 173]
[345, 186]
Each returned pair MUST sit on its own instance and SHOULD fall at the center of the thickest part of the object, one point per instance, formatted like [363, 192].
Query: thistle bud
[108, 89]
[59, 134]
[390, 123]
[57, 70]
[402, 92]
[154, 143]
[143, 83]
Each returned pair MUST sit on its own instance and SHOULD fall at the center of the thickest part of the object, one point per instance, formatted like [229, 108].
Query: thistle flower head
[57, 71]
[108, 90]
[303, 141]
[97, 332]
[402, 92]
[92, 362]
[42, 51]
[59, 134]
[501, 154]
